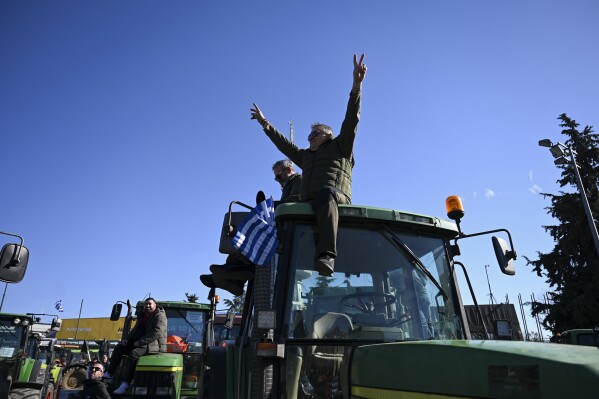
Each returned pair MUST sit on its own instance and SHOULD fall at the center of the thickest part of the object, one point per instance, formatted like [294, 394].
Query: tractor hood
[479, 369]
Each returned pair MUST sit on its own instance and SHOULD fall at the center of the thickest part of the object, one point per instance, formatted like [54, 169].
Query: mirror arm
[230, 227]
[511, 254]
[18, 254]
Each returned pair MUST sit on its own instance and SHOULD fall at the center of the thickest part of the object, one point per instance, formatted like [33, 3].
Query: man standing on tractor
[148, 336]
[326, 168]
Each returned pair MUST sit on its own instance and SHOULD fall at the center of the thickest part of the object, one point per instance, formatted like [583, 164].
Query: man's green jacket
[331, 165]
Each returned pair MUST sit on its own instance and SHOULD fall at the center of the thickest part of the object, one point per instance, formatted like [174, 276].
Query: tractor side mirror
[505, 257]
[229, 319]
[13, 263]
[116, 312]
[56, 324]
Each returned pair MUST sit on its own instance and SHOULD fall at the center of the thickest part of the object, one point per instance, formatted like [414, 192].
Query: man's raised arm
[349, 128]
[289, 149]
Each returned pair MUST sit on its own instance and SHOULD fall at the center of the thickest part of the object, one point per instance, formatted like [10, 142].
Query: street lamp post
[559, 152]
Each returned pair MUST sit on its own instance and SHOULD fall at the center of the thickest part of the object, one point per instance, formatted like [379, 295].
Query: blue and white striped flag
[256, 236]
[58, 305]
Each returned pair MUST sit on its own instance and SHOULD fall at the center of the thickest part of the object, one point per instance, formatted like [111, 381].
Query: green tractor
[175, 374]
[389, 323]
[579, 336]
[27, 361]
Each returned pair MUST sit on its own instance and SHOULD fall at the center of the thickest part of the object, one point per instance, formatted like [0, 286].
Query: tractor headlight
[25, 322]
[141, 390]
[162, 391]
[16, 320]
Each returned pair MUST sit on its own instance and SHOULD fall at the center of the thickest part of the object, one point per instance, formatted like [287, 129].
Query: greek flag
[58, 305]
[256, 236]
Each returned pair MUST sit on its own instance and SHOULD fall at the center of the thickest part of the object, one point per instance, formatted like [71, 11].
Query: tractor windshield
[11, 338]
[188, 325]
[388, 285]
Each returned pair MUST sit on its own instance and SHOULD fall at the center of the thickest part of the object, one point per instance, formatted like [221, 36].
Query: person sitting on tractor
[93, 386]
[289, 180]
[148, 336]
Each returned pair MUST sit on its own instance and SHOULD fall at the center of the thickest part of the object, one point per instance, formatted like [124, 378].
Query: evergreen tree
[572, 267]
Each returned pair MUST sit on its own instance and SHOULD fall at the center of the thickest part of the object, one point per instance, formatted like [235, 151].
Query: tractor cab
[14, 332]
[390, 284]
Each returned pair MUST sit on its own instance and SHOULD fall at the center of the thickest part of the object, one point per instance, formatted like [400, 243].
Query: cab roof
[362, 213]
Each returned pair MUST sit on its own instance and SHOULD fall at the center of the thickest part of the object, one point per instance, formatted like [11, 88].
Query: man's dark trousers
[128, 368]
[325, 208]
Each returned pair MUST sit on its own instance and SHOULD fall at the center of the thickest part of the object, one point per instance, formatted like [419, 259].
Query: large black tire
[3, 388]
[73, 377]
[25, 393]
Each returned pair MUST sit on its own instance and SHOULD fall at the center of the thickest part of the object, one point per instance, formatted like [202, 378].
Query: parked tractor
[389, 322]
[27, 361]
[174, 374]
[579, 336]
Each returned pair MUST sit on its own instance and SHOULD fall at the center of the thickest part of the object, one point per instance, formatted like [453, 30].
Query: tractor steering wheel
[367, 308]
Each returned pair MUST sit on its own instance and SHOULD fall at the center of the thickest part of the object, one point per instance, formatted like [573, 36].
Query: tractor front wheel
[73, 377]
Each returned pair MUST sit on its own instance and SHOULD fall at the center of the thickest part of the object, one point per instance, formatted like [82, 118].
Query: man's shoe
[208, 280]
[233, 271]
[325, 265]
[121, 389]
[235, 287]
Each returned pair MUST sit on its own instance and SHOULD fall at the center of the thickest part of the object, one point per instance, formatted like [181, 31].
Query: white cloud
[474, 194]
[535, 189]
[489, 193]
[530, 174]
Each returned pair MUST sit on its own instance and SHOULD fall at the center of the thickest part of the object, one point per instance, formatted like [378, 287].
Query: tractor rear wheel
[25, 393]
[73, 377]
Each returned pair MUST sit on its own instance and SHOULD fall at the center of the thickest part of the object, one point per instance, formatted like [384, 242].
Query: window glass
[377, 292]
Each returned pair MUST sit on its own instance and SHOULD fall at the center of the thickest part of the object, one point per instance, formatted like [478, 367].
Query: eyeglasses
[314, 134]
[96, 369]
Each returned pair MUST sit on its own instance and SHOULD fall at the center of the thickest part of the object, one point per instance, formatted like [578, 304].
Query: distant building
[501, 321]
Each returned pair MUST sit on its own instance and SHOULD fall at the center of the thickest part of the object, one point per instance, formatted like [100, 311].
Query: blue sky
[125, 127]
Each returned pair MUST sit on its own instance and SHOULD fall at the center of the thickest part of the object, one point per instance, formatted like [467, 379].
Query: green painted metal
[481, 369]
[178, 305]
[580, 336]
[370, 213]
[25, 371]
[161, 360]
[13, 315]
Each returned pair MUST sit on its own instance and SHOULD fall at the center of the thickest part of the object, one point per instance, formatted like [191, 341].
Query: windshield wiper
[414, 260]
[187, 321]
